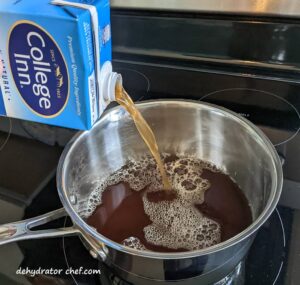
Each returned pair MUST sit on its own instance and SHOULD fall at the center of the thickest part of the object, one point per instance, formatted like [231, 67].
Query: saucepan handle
[23, 230]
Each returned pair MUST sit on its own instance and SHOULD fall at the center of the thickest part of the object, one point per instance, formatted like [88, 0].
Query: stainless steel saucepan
[185, 127]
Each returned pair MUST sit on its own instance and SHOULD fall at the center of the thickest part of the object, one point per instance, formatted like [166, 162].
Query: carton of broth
[52, 54]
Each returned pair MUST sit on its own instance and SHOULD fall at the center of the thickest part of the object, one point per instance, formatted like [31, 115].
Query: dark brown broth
[121, 214]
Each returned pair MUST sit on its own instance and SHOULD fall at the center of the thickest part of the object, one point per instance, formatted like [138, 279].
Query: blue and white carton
[54, 54]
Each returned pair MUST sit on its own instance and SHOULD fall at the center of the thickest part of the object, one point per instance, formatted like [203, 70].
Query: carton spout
[108, 82]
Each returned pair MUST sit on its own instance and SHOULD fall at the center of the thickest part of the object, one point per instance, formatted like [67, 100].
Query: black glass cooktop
[66, 260]
[249, 65]
[29, 155]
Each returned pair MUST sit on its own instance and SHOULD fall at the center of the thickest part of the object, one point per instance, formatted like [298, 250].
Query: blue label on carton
[39, 69]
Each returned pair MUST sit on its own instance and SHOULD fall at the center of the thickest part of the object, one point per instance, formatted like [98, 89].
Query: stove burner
[284, 245]
[65, 254]
[136, 83]
[6, 135]
[265, 109]
[236, 277]
[267, 255]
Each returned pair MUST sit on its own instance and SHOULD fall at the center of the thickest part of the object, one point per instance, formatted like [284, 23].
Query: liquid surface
[204, 207]
[144, 129]
[226, 204]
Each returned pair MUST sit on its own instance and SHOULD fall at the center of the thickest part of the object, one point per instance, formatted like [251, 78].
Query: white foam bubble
[133, 242]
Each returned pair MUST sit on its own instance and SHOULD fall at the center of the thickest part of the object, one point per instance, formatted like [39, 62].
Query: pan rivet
[93, 254]
[73, 199]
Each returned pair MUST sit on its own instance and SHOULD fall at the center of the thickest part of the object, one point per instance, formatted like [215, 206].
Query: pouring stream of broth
[144, 129]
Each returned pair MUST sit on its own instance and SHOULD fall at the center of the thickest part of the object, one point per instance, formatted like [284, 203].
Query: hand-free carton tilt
[56, 60]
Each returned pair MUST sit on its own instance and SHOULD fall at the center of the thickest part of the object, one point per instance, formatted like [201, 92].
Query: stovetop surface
[29, 155]
[254, 71]
[271, 259]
